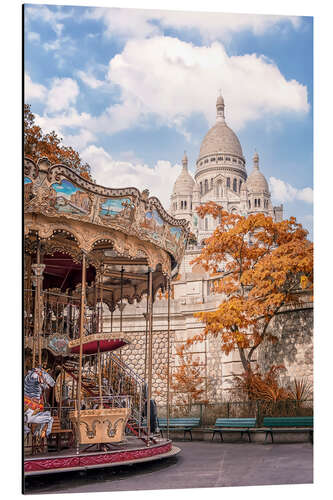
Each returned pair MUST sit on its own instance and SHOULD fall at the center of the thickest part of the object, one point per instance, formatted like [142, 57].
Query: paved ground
[200, 464]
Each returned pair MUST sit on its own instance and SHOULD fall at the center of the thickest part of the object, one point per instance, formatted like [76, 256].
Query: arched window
[219, 190]
[249, 204]
[200, 187]
[206, 186]
[228, 182]
[255, 202]
[258, 202]
[234, 185]
[181, 205]
[240, 184]
[185, 204]
[206, 224]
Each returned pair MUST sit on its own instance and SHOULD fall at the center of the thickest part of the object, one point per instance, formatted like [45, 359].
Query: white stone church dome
[256, 181]
[184, 183]
[220, 138]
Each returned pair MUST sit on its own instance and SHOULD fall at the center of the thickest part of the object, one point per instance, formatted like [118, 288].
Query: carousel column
[150, 351]
[82, 312]
[27, 296]
[121, 306]
[101, 330]
[168, 360]
[38, 270]
[146, 316]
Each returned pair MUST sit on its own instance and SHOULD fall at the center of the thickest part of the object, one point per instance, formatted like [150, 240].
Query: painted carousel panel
[71, 199]
[153, 225]
[102, 425]
[116, 208]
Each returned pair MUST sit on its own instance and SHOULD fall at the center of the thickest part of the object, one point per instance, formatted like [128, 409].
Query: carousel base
[126, 453]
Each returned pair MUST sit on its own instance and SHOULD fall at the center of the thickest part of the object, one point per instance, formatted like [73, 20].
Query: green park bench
[242, 425]
[185, 424]
[287, 424]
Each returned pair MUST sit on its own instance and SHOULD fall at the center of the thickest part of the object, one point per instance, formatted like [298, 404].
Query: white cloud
[33, 91]
[58, 122]
[48, 16]
[306, 194]
[147, 23]
[172, 79]
[90, 80]
[62, 94]
[221, 26]
[105, 170]
[80, 140]
[33, 36]
[163, 80]
[126, 23]
[283, 192]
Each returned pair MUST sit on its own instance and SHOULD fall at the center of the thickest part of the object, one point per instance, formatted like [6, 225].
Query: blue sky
[133, 89]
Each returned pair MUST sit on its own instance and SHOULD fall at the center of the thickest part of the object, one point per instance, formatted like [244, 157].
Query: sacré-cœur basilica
[220, 176]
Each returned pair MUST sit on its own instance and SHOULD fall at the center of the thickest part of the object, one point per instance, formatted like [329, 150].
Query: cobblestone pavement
[200, 464]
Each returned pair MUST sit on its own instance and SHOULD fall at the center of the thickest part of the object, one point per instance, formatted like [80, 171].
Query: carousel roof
[123, 233]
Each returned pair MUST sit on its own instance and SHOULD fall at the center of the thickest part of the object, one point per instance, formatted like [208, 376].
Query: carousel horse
[35, 382]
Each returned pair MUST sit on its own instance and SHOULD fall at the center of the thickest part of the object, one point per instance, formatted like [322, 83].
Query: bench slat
[288, 421]
[235, 422]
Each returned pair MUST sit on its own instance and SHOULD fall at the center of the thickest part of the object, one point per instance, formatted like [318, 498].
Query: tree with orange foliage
[38, 145]
[266, 263]
[186, 381]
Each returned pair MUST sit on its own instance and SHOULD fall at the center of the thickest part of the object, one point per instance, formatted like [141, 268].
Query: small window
[206, 186]
[228, 182]
[234, 160]
[200, 187]
[212, 159]
[259, 202]
[240, 184]
[249, 204]
[255, 202]
[185, 204]
[206, 161]
[211, 184]
[227, 158]
[240, 163]
[206, 224]
[234, 185]
[181, 205]
[220, 158]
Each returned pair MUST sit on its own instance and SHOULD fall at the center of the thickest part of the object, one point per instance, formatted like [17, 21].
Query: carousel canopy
[91, 344]
[122, 231]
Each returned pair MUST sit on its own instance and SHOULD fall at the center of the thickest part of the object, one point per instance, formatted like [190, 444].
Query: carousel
[89, 250]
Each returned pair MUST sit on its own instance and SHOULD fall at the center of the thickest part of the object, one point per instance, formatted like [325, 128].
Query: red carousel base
[70, 461]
